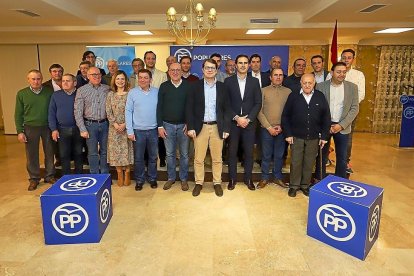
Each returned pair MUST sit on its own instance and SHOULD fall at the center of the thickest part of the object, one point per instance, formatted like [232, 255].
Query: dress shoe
[218, 190]
[51, 180]
[232, 184]
[250, 185]
[292, 192]
[262, 184]
[138, 186]
[33, 185]
[280, 183]
[162, 163]
[168, 184]
[197, 189]
[184, 185]
[305, 191]
[153, 184]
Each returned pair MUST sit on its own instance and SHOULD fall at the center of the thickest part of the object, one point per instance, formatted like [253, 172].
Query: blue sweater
[141, 110]
[61, 110]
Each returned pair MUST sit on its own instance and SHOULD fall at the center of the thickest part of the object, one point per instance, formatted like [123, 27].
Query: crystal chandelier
[191, 27]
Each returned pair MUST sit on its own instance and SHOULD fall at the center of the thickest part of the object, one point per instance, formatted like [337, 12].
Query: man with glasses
[245, 101]
[230, 68]
[137, 64]
[293, 81]
[172, 98]
[90, 116]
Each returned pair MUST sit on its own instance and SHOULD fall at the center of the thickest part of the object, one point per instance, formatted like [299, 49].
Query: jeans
[176, 136]
[98, 135]
[341, 146]
[70, 145]
[145, 139]
[272, 145]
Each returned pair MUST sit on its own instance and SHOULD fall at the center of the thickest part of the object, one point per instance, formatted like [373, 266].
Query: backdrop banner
[200, 53]
[123, 54]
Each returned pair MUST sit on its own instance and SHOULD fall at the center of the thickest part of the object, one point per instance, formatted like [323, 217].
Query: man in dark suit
[318, 68]
[208, 123]
[255, 62]
[245, 100]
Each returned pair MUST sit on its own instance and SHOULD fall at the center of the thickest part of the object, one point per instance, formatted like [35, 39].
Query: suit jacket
[351, 104]
[251, 103]
[264, 78]
[195, 108]
[325, 74]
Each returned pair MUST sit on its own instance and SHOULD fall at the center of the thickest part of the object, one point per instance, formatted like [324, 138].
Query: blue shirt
[61, 110]
[210, 95]
[141, 109]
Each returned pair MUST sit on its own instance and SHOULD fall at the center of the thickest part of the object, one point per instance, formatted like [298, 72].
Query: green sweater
[32, 109]
[171, 103]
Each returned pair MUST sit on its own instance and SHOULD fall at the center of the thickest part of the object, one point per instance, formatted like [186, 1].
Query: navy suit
[249, 106]
[264, 78]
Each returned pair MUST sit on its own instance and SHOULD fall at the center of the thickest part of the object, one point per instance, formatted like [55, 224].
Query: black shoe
[292, 192]
[218, 190]
[250, 185]
[153, 184]
[305, 191]
[162, 163]
[232, 184]
[259, 162]
[197, 189]
[138, 186]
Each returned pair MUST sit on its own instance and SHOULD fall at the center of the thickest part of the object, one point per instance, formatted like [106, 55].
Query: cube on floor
[345, 214]
[77, 209]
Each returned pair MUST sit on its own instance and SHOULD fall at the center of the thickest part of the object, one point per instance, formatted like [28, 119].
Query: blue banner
[123, 54]
[407, 121]
[200, 53]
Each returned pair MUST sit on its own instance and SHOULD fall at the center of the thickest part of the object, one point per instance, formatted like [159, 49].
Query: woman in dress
[120, 149]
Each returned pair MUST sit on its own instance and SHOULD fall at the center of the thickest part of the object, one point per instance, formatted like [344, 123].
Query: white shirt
[319, 77]
[242, 86]
[257, 76]
[357, 77]
[56, 87]
[336, 102]
[307, 97]
[177, 85]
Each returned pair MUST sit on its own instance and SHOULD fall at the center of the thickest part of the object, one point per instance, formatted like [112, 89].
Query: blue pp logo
[105, 206]
[404, 99]
[78, 184]
[70, 219]
[182, 52]
[409, 112]
[335, 222]
[347, 189]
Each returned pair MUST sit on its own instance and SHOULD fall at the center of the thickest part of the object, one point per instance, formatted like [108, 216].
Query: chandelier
[191, 27]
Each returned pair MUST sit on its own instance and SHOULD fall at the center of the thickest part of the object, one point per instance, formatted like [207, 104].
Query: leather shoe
[280, 183]
[197, 189]
[218, 190]
[51, 180]
[184, 185]
[138, 186]
[162, 163]
[153, 184]
[292, 192]
[33, 185]
[232, 184]
[262, 184]
[168, 184]
[305, 191]
[250, 185]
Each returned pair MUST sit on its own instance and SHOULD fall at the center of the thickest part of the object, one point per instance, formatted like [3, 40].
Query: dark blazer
[325, 74]
[49, 84]
[251, 103]
[264, 78]
[195, 108]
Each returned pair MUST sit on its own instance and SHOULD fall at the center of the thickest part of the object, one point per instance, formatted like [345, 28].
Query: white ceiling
[300, 21]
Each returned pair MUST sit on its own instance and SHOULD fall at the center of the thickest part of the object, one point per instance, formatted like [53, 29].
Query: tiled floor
[157, 232]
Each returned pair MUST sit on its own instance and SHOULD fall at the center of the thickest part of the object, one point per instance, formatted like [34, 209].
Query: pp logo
[182, 52]
[347, 189]
[409, 112]
[404, 99]
[100, 62]
[336, 222]
[105, 206]
[78, 184]
[70, 219]
[374, 223]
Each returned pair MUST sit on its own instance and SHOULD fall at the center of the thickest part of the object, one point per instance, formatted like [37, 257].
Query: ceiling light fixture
[259, 31]
[394, 30]
[138, 32]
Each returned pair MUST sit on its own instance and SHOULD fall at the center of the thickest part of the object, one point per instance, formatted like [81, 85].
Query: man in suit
[208, 124]
[255, 62]
[342, 97]
[245, 100]
[293, 81]
[318, 68]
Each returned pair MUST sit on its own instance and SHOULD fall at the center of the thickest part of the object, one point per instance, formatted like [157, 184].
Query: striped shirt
[90, 104]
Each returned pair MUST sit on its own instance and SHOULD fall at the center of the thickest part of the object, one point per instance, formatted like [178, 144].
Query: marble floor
[157, 232]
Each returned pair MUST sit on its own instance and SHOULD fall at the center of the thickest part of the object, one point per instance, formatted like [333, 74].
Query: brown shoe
[280, 183]
[168, 184]
[51, 180]
[184, 185]
[33, 185]
[262, 184]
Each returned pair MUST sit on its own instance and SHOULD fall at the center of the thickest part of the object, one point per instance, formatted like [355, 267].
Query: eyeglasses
[209, 68]
[95, 75]
[175, 70]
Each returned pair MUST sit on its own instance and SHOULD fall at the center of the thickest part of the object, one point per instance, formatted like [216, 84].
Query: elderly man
[141, 126]
[275, 63]
[220, 76]
[293, 82]
[32, 104]
[137, 64]
[318, 68]
[305, 121]
[230, 67]
[274, 98]
[63, 125]
[90, 116]
[168, 61]
[185, 63]
[208, 124]
[342, 97]
[112, 66]
[172, 98]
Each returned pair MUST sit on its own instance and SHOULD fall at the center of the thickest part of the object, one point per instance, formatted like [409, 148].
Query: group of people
[150, 115]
